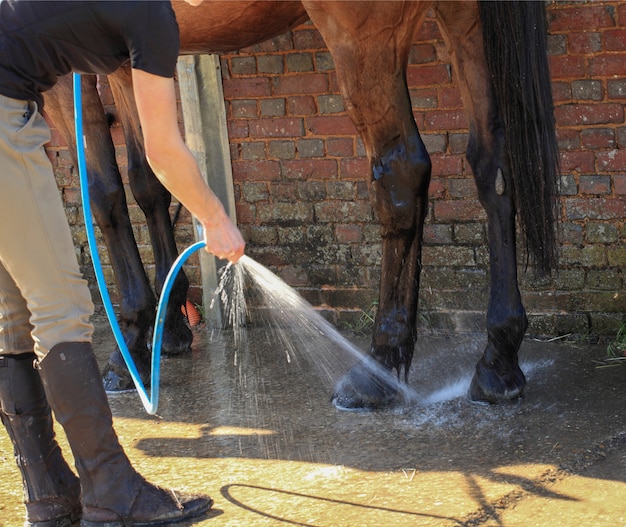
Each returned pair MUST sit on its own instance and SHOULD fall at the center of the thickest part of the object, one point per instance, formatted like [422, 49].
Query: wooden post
[204, 116]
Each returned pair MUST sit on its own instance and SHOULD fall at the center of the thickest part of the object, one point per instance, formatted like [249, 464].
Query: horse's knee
[106, 202]
[506, 326]
[400, 182]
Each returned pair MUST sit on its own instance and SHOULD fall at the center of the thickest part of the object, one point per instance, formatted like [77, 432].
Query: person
[46, 356]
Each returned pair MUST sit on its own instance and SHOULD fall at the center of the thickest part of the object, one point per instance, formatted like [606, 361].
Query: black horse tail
[515, 40]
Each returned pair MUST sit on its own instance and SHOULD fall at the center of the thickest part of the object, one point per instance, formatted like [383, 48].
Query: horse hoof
[117, 381]
[489, 386]
[177, 339]
[365, 389]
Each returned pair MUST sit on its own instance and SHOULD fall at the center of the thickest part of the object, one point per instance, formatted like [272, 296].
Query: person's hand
[223, 239]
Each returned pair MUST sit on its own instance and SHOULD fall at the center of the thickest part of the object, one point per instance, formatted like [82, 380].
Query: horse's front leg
[371, 73]
[498, 376]
[108, 201]
[154, 200]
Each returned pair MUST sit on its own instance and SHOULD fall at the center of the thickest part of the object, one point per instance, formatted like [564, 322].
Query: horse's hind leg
[108, 201]
[370, 49]
[498, 376]
[154, 201]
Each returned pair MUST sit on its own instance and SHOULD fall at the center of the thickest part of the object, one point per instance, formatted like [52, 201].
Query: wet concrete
[258, 434]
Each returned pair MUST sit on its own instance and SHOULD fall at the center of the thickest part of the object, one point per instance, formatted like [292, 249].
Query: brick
[579, 161]
[460, 188]
[601, 232]
[253, 191]
[614, 40]
[597, 138]
[448, 256]
[586, 114]
[283, 42]
[594, 256]
[256, 170]
[308, 169]
[568, 139]
[331, 125]
[246, 87]
[301, 105]
[308, 39]
[557, 44]
[561, 92]
[348, 233]
[311, 190]
[470, 233]
[356, 167]
[447, 165]
[607, 65]
[277, 127]
[424, 98]
[340, 147]
[243, 65]
[571, 233]
[450, 98]
[253, 151]
[619, 183]
[612, 161]
[595, 208]
[580, 18]
[457, 142]
[324, 61]
[283, 191]
[459, 210]
[587, 90]
[422, 53]
[285, 213]
[244, 109]
[617, 257]
[342, 211]
[270, 64]
[262, 235]
[291, 84]
[621, 136]
[435, 143]
[568, 185]
[272, 107]
[616, 88]
[299, 62]
[238, 129]
[445, 120]
[308, 148]
[246, 213]
[438, 234]
[282, 149]
[330, 104]
[343, 190]
[567, 66]
[428, 31]
[584, 43]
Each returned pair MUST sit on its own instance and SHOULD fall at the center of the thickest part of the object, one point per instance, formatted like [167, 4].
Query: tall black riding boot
[113, 493]
[51, 489]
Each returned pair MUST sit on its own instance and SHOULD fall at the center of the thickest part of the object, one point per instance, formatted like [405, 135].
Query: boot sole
[189, 512]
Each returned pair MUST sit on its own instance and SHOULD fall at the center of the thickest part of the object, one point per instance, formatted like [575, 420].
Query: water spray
[290, 301]
[150, 402]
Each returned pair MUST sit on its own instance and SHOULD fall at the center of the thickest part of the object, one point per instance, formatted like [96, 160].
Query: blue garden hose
[150, 402]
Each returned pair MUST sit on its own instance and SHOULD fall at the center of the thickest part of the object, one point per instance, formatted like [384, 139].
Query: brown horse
[499, 52]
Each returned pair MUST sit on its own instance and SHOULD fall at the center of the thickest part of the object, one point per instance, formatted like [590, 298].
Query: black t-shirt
[41, 40]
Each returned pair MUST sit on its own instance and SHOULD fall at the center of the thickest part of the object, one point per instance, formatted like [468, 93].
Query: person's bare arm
[175, 166]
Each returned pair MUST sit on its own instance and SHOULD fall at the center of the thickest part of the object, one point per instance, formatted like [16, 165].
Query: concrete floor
[259, 435]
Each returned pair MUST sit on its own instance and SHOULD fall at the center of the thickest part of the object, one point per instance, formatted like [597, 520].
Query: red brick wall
[301, 179]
